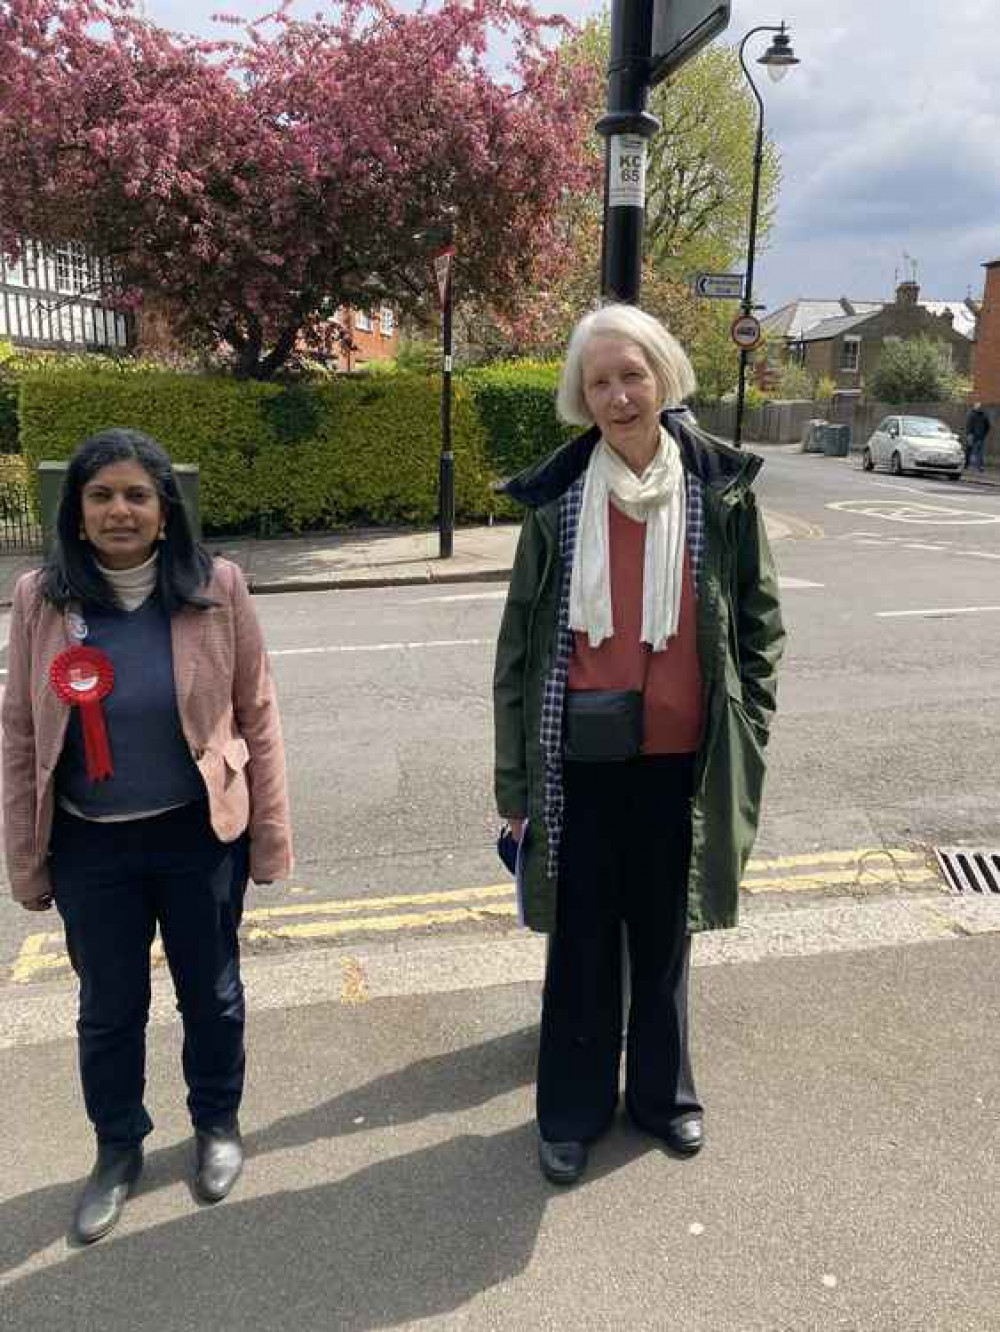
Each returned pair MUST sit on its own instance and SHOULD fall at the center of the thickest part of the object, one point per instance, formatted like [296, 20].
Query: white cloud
[888, 132]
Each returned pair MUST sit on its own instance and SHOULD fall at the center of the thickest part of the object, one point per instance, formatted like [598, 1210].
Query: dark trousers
[114, 883]
[624, 858]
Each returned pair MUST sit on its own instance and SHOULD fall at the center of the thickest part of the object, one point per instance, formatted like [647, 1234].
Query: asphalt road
[888, 728]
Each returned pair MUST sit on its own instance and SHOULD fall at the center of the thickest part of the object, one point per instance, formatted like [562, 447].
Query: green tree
[912, 370]
[794, 381]
[700, 169]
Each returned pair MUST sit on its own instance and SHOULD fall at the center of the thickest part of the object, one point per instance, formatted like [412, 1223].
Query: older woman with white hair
[633, 691]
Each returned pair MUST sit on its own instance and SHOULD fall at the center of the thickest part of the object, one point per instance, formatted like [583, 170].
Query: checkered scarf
[554, 693]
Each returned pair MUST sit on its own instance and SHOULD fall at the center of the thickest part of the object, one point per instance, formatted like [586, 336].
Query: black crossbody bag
[602, 725]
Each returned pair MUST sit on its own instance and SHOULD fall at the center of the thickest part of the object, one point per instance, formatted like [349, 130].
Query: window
[850, 354]
[363, 321]
[71, 269]
[387, 321]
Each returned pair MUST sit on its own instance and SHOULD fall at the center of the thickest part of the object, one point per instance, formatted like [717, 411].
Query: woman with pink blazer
[144, 783]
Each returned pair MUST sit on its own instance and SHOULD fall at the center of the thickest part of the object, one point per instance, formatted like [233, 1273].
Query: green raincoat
[740, 640]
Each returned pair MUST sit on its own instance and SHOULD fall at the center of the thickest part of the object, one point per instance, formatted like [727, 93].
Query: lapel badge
[76, 625]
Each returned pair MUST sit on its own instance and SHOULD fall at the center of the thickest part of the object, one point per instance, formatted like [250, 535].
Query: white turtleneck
[133, 586]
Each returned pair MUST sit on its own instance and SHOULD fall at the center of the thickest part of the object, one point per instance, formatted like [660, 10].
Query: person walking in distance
[977, 427]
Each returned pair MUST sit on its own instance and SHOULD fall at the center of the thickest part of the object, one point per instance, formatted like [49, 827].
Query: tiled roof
[832, 328]
[813, 321]
[792, 320]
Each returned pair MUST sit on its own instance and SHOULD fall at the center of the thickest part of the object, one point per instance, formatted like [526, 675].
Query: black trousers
[113, 884]
[624, 858]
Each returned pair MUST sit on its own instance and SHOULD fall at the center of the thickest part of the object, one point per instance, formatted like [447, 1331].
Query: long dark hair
[71, 572]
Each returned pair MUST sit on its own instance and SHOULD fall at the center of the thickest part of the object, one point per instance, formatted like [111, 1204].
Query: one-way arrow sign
[726, 286]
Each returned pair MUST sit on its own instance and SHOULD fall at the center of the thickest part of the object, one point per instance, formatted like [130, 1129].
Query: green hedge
[310, 455]
[516, 402]
[349, 450]
[517, 406]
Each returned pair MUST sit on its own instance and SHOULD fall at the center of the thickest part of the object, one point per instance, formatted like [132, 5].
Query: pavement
[845, 1052]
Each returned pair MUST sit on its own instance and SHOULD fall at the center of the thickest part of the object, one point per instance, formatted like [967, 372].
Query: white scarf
[657, 499]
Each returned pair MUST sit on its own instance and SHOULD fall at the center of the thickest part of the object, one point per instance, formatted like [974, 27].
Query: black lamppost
[778, 59]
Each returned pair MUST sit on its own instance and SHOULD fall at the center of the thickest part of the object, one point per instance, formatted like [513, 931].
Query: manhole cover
[970, 871]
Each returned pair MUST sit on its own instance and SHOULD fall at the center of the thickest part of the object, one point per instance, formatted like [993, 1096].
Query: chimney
[907, 293]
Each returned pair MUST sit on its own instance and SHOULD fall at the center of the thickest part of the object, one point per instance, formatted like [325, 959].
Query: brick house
[986, 382]
[49, 300]
[375, 334]
[843, 339]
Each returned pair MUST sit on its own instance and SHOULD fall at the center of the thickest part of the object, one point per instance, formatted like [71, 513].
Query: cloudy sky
[889, 133]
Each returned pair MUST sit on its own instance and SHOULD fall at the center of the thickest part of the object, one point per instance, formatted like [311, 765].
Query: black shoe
[686, 1135]
[100, 1204]
[220, 1162]
[562, 1162]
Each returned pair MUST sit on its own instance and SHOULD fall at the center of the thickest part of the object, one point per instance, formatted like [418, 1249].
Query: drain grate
[970, 871]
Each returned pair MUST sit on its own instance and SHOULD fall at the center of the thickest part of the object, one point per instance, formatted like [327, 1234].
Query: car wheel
[954, 476]
[867, 461]
[896, 465]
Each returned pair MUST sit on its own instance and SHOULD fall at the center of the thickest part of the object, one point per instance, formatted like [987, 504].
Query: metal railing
[20, 529]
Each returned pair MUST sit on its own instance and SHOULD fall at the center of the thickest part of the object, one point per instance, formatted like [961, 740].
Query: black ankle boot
[562, 1162]
[219, 1161]
[100, 1204]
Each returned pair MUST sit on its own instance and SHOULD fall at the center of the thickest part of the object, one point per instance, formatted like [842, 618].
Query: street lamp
[778, 60]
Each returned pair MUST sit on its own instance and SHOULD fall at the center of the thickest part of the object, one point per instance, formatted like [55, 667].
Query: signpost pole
[627, 126]
[446, 473]
[649, 40]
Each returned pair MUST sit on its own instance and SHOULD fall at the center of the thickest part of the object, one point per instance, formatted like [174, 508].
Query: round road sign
[745, 332]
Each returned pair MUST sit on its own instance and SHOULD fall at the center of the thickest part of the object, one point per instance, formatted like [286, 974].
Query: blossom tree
[259, 183]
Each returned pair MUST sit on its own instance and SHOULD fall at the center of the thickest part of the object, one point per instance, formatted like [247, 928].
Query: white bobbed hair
[664, 354]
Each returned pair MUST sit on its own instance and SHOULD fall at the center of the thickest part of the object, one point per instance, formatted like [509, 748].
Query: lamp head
[779, 56]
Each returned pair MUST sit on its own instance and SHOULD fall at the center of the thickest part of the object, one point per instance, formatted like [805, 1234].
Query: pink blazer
[228, 711]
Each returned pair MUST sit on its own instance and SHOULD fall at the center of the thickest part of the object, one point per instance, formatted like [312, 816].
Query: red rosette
[82, 676]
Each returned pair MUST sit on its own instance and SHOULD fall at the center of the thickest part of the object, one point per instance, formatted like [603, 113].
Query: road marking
[412, 920]
[383, 647]
[795, 584]
[861, 869]
[856, 856]
[906, 511]
[896, 485]
[457, 596]
[344, 908]
[938, 610]
[858, 878]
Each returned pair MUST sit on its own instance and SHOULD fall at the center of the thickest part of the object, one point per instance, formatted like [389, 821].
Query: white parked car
[915, 444]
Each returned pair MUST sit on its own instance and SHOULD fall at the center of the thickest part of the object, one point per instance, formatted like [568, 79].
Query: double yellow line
[862, 870]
